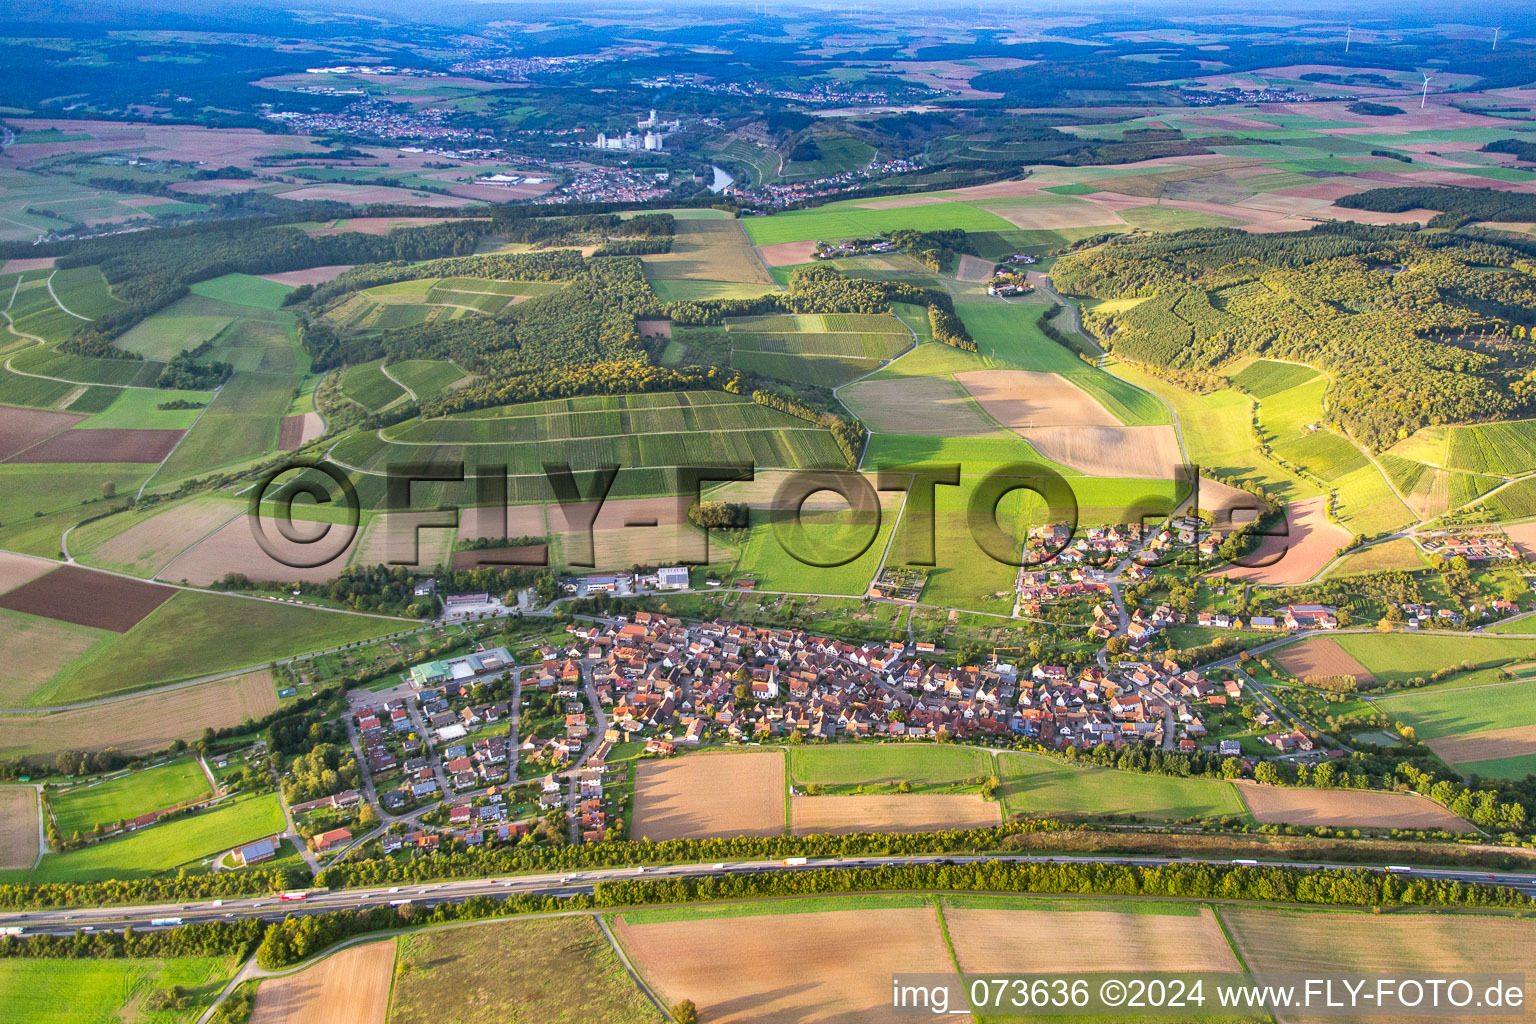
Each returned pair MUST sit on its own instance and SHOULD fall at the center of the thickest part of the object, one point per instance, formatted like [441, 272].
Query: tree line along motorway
[271, 907]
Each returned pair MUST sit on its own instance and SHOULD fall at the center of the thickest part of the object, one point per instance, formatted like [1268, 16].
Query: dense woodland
[1406, 325]
[150, 270]
[1457, 206]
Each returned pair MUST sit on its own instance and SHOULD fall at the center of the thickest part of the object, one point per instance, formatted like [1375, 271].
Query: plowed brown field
[22, 428]
[87, 598]
[146, 446]
[1321, 656]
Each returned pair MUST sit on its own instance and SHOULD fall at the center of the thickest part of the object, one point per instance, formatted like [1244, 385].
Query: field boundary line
[216, 392]
[937, 901]
[34, 444]
[634, 972]
[558, 440]
[48, 281]
[891, 538]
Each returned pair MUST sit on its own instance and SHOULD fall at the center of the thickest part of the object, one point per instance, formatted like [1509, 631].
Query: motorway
[566, 884]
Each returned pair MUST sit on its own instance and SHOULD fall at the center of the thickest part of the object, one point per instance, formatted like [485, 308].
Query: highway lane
[569, 883]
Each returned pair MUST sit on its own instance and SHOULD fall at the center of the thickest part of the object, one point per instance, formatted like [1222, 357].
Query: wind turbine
[1347, 33]
[1496, 39]
[1424, 98]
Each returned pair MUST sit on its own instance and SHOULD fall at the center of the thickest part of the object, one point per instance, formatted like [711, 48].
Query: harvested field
[215, 186]
[520, 521]
[1311, 542]
[404, 538]
[20, 429]
[1519, 741]
[1346, 807]
[229, 146]
[155, 537]
[840, 968]
[314, 275]
[98, 446]
[143, 724]
[366, 194]
[1058, 212]
[18, 828]
[524, 555]
[1332, 212]
[973, 268]
[1321, 656]
[1028, 398]
[375, 225]
[1031, 941]
[33, 649]
[1277, 941]
[299, 430]
[787, 254]
[88, 598]
[900, 812]
[18, 569]
[1144, 452]
[710, 794]
[350, 987]
[234, 549]
[21, 266]
[1523, 536]
[930, 406]
[654, 328]
[709, 249]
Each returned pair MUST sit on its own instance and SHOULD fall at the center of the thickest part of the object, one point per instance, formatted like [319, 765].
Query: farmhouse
[1310, 616]
[336, 837]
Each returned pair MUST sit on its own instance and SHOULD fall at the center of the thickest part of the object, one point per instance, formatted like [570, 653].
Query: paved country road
[570, 883]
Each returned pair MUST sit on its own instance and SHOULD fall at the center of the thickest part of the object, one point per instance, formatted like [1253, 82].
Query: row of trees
[296, 939]
[236, 939]
[948, 329]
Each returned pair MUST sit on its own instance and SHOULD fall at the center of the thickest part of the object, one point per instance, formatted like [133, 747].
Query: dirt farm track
[710, 794]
